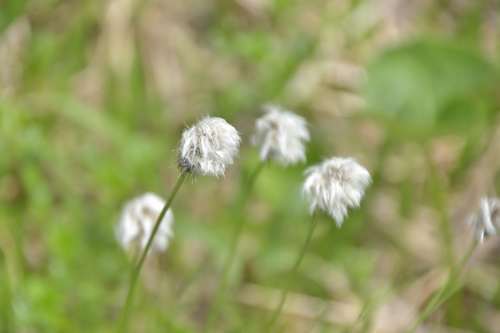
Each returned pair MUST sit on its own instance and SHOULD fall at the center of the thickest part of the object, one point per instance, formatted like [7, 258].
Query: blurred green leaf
[426, 85]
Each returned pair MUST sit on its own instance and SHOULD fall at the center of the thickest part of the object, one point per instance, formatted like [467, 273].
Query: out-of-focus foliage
[433, 86]
[93, 98]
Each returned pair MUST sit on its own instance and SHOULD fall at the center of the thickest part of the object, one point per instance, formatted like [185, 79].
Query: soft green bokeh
[78, 138]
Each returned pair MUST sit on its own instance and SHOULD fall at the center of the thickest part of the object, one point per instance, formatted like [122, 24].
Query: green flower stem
[228, 263]
[449, 288]
[440, 203]
[122, 327]
[284, 294]
[6, 310]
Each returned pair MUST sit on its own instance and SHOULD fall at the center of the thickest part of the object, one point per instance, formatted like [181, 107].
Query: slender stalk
[134, 276]
[228, 263]
[439, 199]
[446, 291]
[284, 294]
[6, 313]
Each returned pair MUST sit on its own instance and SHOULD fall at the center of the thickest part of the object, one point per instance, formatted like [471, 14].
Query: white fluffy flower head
[281, 135]
[208, 147]
[487, 219]
[335, 185]
[137, 221]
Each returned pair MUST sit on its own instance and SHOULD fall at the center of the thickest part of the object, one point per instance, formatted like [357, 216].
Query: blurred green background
[95, 94]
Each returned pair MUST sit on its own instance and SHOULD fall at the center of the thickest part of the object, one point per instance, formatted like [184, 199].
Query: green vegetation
[95, 94]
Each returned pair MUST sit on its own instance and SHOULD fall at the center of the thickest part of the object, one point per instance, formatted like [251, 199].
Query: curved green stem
[446, 291]
[228, 263]
[284, 294]
[6, 310]
[122, 327]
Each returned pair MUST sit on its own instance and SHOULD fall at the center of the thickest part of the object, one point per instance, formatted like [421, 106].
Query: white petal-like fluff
[137, 221]
[208, 147]
[335, 185]
[487, 219]
[281, 135]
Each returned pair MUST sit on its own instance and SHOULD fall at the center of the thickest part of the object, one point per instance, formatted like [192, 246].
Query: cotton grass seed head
[137, 221]
[281, 135]
[486, 219]
[208, 147]
[335, 185]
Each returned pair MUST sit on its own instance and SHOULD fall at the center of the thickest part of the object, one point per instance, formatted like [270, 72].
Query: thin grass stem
[228, 263]
[6, 313]
[134, 276]
[277, 312]
[449, 288]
